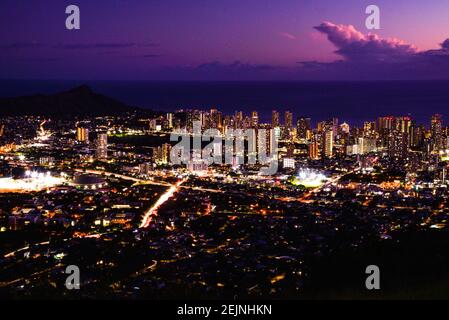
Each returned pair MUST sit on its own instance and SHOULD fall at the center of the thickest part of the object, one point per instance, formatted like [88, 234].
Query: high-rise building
[273, 142]
[165, 156]
[275, 119]
[366, 145]
[254, 119]
[330, 124]
[170, 120]
[288, 119]
[102, 146]
[385, 123]
[82, 135]
[403, 124]
[204, 119]
[384, 126]
[398, 144]
[328, 143]
[194, 116]
[314, 152]
[335, 127]
[247, 123]
[303, 127]
[436, 131]
[218, 119]
[238, 119]
[215, 120]
[419, 134]
[369, 128]
[344, 128]
[253, 143]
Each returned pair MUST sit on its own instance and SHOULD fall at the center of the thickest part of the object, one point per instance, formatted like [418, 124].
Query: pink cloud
[288, 35]
[352, 44]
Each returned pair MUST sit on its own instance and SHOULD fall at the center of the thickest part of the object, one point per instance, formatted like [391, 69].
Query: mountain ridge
[81, 100]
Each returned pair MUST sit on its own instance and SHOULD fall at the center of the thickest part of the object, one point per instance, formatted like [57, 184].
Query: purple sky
[224, 40]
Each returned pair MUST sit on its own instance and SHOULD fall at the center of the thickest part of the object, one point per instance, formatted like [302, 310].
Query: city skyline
[100, 192]
[243, 152]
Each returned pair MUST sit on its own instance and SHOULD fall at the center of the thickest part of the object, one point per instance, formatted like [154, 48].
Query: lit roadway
[150, 213]
[121, 176]
[141, 181]
[317, 189]
[173, 188]
[13, 253]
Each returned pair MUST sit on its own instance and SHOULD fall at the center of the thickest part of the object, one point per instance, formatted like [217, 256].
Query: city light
[309, 178]
[33, 181]
[444, 155]
[148, 217]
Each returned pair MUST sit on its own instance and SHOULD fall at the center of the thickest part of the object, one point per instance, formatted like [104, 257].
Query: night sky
[224, 40]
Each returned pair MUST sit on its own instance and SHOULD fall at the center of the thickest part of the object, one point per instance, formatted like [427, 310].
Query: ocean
[353, 102]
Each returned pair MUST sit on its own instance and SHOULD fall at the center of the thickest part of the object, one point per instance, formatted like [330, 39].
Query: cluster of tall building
[164, 123]
[396, 136]
[399, 135]
[82, 135]
[215, 119]
[161, 154]
[101, 141]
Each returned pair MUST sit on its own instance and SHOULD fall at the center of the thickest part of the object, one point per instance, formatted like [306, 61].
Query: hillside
[77, 101]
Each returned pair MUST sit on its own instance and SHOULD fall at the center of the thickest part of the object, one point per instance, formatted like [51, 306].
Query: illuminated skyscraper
[366, 145]
[385, 123]
[369, 128]
[102, 146]
[82, 135]
[314, 152]
[402, 124]
[288, 119]
[328, 143]
[275, 118]
[215, 118]
[384, 127]
[344, 128]
[170, 120]
[238, 119]
[334, 127]
[436, 130]
[165, 155]
[253, 143]
[330, 124]
[398, 144]
[273, 142]
[419, 135]
[303, 126]
[254, 119]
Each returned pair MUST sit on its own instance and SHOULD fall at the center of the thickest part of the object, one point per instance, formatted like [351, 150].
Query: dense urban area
[102, 193]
